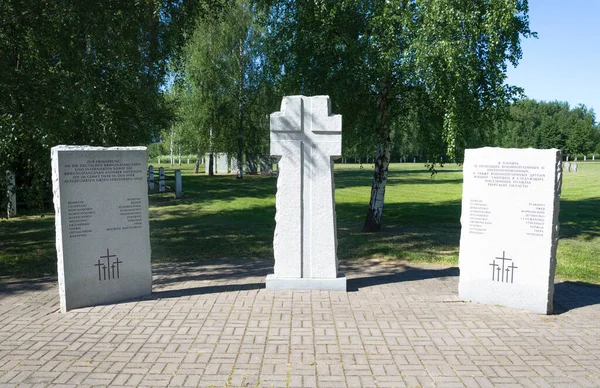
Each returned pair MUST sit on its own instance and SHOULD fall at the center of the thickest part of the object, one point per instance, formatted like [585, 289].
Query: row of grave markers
[162, 181]
[403, 159]
[509, 218]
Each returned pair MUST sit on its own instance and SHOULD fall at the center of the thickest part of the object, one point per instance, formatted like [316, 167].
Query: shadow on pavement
[408, 274]
[166, 294]
[19, 286]
[572, 295]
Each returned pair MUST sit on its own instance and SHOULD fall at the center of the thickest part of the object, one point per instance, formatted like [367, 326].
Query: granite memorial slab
[509, 231]
[305, 138]
[221, 163]
[102, 234]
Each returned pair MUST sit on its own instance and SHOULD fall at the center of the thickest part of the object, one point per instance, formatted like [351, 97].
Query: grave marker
[509, 229]
[305, 137]
[178, 188]
[102, 235]
[151, 177]
[11, 206]
[161, 180]
[221, 163]
[233, 164]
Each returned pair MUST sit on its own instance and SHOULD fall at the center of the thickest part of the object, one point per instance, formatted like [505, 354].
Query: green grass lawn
[222, 217]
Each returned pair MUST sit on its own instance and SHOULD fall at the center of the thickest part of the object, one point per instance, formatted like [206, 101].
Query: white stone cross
[306, 137]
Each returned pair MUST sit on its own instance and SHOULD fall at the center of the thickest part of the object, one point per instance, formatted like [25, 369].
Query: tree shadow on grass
[198, 189]
[363, 178]
[248, 233]
[425, 231]
[580, 218]
[27, 247]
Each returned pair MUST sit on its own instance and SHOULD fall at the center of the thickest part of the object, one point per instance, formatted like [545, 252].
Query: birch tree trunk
[211, 161]
[382, 161]
[197, 165]
[171, 147]
[240, 139]
[375, 212]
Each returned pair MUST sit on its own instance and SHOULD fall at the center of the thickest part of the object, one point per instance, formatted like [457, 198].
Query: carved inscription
[130, 215]
[103, 170]
[79, 215]
[479, 214]
[534, 217]
[509, 174]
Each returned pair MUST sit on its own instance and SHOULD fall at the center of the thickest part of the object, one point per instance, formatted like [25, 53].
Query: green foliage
[541, 124]
[219, 90]
[86, 73]
[421, 75]
[433, 68]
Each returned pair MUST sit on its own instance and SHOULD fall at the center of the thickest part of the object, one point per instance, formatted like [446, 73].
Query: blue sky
[563, 63]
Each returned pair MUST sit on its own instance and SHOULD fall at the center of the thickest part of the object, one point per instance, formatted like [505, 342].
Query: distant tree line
[541, 124]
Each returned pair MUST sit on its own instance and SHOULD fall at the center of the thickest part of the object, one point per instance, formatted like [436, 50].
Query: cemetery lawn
[225, 218]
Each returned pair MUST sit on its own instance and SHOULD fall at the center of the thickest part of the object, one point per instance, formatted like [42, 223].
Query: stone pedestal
[305, 138]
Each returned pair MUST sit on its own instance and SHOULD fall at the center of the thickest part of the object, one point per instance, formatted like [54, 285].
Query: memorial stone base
[276, 284]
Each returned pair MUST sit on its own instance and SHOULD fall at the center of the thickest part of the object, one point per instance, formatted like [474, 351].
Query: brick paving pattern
[214, 325]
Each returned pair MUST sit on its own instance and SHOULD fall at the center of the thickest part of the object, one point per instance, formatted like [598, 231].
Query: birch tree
[381, 60]
[83, 72]
[219, 84]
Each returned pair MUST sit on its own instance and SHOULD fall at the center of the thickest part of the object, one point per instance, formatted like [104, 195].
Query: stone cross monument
[305, 137]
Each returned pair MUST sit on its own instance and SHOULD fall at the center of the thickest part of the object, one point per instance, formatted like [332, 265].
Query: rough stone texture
[306, 137]
[102, 235]
[213, 323]
[509, 230]
[221, 163]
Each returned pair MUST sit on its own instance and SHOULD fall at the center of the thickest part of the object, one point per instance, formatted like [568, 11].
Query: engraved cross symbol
[306, 137]
[500, 270]
[107, 257]
[107, 269]
[504, 259]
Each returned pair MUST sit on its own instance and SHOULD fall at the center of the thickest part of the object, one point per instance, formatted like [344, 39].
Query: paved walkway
[216, 325]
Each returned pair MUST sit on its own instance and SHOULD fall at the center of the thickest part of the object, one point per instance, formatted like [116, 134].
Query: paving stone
[389, 330]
